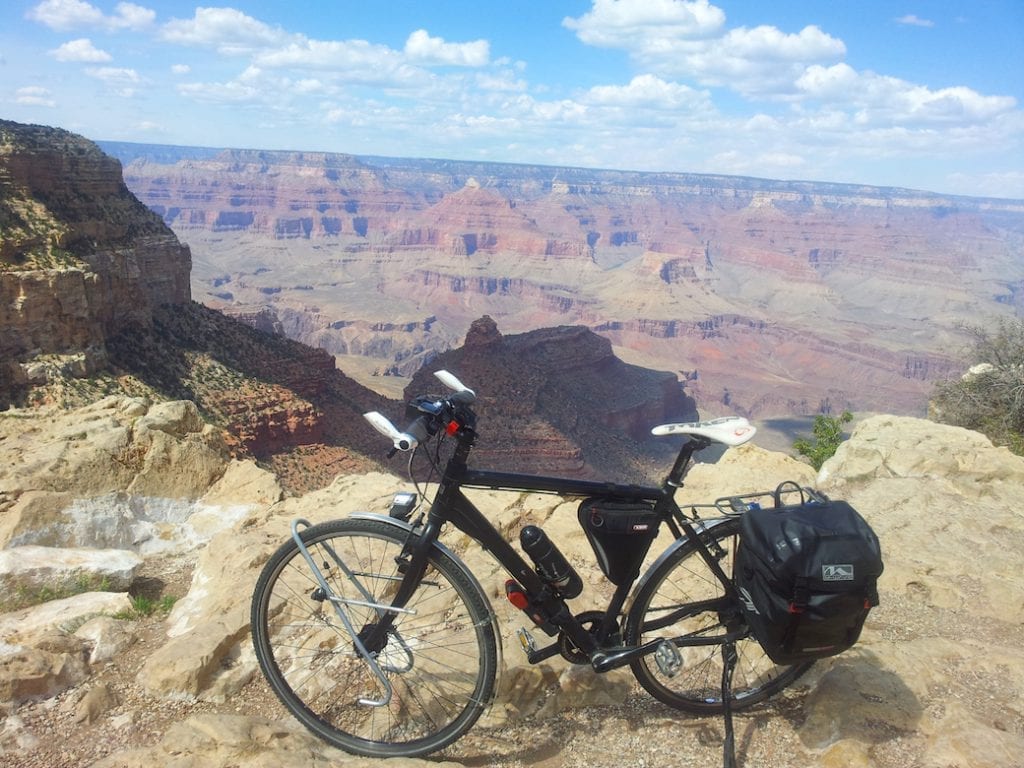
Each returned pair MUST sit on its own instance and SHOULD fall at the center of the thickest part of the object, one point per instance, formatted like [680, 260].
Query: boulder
[33, 568]
[55, 663]
[106, 637]
[71, 612]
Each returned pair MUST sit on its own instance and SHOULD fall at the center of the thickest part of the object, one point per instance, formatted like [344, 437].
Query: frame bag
[806, 575]
[620, 533]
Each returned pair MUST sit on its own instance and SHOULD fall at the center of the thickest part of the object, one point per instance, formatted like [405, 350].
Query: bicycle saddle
[729, 430]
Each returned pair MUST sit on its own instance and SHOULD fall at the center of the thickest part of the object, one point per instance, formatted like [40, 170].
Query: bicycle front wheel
[439, 657]
[684, 577]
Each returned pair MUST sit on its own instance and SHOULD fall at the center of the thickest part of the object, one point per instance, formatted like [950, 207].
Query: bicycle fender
[704, 525]
[407, 528]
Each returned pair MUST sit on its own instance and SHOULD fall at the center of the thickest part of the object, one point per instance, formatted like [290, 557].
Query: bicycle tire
[685, 577]
[441, 661]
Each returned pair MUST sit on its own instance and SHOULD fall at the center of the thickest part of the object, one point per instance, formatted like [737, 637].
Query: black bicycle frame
[451, 505]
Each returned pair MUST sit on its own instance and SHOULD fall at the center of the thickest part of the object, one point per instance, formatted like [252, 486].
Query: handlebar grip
[414, 434]
[463, 394]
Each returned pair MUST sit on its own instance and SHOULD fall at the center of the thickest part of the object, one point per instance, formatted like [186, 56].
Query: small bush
[828, 434]
[989, 398]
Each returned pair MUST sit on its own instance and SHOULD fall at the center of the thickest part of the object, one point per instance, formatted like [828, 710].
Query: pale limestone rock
[33, 568]
[16, 736]
[100, 449]
[904, 447]
[19, 626]
[846, 753]
[186, 666]
[225, 741]
[106, 637]
[97, 701]
[244, 482]
[578, 686]
[179, 418]
[55, 663]
[37, 515]
[967, 741]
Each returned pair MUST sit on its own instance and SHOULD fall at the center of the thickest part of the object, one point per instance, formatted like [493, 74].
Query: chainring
[590, 621]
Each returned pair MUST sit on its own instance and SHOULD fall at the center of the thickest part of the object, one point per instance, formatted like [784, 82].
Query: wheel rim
[685, 578]
[431, 658]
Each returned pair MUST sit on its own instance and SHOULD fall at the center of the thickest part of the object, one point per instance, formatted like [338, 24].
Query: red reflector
[452, 428]
[515, 595]
[794, 608]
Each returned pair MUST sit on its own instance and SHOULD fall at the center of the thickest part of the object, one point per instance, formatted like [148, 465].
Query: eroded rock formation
[80, 257]
[777, 298]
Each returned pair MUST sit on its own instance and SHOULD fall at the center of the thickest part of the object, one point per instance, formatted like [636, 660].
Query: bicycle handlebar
[422, 427]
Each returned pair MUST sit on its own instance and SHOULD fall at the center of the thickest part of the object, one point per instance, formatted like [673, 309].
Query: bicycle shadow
[851, 698]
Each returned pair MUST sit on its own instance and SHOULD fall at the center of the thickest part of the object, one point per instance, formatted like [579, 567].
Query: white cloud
[64, 15]
[226, 30]
[80, 50]
[646, 25]
[180, 69]
[421, 48]
[34, 95]
[120, 80]
[912, 20]
[879, 99]
[649, 91]
[503, 81]
[689, 40]
[997, 184]
[131, 16]
[234, 92]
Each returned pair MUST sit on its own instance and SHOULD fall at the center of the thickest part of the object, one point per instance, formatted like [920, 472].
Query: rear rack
[733, 506]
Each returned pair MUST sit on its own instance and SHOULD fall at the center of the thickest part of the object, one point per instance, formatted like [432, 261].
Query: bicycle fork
[386, 613]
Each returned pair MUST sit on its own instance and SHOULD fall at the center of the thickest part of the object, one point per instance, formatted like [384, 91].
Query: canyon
[155, 451]
[95, 300]
[771, 299]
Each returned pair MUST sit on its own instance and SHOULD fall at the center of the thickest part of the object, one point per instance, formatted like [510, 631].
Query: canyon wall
[80, 257]
[769, 298]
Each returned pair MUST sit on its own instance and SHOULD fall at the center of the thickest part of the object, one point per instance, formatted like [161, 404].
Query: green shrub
[989, 398]
[828, 434]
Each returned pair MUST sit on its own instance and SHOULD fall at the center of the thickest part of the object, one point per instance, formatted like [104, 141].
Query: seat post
[682, 465]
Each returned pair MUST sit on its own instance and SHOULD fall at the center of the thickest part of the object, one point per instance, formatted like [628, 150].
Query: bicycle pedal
[526, 641]
[668, 658]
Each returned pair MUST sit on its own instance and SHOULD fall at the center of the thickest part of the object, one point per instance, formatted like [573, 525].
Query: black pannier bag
[621, 533]
[807, 576]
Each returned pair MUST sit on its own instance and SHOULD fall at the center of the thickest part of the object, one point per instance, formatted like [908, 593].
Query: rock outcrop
[558, 401]
[80, 257]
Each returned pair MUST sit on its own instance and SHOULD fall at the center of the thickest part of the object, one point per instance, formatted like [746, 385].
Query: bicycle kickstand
[729, 659]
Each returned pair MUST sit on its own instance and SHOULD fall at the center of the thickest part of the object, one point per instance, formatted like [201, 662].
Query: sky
[922, 94]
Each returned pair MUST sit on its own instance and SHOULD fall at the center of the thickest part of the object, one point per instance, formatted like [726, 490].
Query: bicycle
[379, 640]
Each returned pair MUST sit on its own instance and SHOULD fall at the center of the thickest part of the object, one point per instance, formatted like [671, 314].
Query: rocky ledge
[935, 681]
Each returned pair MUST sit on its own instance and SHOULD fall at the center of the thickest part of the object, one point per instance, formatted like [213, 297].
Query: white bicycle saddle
[729, 430]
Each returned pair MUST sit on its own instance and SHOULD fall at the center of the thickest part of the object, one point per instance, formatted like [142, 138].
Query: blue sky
[926, 94]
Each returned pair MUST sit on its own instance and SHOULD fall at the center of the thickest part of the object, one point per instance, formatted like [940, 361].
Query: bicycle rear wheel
[684, 577]
[440, 659]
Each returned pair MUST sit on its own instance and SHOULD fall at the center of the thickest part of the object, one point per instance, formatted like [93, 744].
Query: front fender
[408, 528]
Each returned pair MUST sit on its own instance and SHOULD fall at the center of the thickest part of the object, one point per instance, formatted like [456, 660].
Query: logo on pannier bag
[748, 601]
[837, 572]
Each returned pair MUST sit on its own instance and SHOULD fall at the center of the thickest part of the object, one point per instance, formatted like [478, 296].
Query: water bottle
[551, 564]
